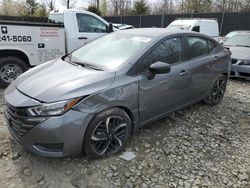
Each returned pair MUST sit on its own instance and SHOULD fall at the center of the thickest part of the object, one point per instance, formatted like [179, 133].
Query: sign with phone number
[15, 38]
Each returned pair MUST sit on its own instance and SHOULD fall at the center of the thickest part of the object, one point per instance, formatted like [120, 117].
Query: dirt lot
[201, 146]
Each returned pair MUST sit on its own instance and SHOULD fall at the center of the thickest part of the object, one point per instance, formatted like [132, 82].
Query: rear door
[200, 57]
[160, 93]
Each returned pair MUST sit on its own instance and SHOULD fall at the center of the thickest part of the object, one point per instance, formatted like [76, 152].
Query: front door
[161, 93]
[89, 28]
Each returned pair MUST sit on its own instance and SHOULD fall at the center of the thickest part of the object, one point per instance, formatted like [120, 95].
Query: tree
[41, 11]
[12, 8]
[121, 7]
[140, 7]
[94, 9]
[103, 7]
[31, 5]
[69, 3]
[197, 6]
[51, 4]
[246, 5]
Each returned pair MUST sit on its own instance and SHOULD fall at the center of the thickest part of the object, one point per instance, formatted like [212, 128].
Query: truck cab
[205, 26]
[27, 44]
[81, 27]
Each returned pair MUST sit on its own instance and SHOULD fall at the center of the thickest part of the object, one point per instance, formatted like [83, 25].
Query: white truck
[206, 26]
[27, 44]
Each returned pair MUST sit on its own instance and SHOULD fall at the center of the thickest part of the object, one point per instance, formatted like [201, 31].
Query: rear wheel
[217, 92]
[107, 134]
[10, 69]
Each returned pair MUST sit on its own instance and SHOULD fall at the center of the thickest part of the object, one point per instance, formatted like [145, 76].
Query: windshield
[56, 18]
[231, 34]
[239, 40]
[110, 51]
[179, 27]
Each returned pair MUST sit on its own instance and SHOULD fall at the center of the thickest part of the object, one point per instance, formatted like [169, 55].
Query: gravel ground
[201, 146]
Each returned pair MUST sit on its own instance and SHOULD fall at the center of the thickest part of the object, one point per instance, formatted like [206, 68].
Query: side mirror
[110, 28]
[159, 68]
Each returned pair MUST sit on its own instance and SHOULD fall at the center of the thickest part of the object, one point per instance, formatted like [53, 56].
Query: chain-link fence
[227, 21]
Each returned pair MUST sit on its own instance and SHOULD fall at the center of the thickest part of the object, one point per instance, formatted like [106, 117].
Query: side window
[198, 47]
[196, 28]
[89, 24]
[169, 51]
[210, 46]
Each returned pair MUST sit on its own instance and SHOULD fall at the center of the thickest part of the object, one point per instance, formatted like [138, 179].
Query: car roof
[154, 32]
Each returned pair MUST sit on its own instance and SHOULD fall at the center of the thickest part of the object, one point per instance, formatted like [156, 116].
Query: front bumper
[241, 71]
[56, 136]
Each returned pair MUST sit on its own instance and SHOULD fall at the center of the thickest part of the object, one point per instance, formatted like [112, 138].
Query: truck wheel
[10, 69]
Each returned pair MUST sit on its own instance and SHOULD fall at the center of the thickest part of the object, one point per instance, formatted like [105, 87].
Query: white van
[207, 26]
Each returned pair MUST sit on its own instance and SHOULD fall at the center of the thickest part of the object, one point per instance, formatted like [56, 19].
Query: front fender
[124, 95]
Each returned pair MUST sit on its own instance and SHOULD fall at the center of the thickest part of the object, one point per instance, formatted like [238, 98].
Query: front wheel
[217, 92]
[10, 69]
[107, 134]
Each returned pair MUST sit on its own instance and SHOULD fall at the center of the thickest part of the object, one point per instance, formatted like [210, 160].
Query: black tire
[11, 63]
[113, 140]
[217, 91]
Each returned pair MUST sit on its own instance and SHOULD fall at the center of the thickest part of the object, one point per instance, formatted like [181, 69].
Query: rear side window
[210, 45]
[90, 24]
[196, 29]
[199, 46]
[56, 18]
[169, 51]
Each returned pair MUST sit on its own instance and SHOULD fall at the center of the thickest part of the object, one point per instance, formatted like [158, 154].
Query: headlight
[53, 109]
[245, 62]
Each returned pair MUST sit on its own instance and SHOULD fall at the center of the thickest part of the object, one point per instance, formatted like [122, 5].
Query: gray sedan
[239, 45]
[95, 98]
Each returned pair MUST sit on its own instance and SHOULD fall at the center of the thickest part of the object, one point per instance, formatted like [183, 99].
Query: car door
[89, 28]
[161, 93]
[199, 58]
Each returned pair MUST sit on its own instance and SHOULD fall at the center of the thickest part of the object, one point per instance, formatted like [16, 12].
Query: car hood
[59, 80]
[242, 53]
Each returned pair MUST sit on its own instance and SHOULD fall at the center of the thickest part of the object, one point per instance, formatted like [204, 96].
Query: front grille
[18, 120]
[234, 61]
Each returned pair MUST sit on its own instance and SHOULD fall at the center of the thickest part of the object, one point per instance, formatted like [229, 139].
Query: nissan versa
[93, 99]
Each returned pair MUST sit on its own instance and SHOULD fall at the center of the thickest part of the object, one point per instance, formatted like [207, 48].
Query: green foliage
[32, 6]
[104, 7]
[94, 9]
[140, 7]
[12, 8]
[197, 6]
[41, 11]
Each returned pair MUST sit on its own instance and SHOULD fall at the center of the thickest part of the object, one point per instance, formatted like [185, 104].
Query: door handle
[81, 38]
[182, 73]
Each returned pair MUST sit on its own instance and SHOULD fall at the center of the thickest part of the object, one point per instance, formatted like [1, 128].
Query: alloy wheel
[219, 90]
[109, 135]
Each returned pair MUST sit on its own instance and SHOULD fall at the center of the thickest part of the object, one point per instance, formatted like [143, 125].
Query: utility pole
[163, 13]
[67, 4]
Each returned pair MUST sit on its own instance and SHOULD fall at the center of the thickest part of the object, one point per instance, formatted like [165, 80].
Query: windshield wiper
[87, 65]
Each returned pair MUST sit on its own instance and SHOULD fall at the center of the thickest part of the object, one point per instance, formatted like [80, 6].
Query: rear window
[56, 19]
